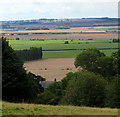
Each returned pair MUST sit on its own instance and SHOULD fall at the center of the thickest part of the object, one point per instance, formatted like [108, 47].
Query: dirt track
[51, 68]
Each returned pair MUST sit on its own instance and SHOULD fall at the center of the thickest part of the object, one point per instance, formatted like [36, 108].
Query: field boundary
[79, 49]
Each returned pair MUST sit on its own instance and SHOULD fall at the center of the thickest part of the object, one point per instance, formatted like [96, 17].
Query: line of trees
[17, 84]
[116, 40]
[32, 54]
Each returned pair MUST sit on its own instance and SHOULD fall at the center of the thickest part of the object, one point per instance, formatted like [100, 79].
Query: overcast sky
[36, 9]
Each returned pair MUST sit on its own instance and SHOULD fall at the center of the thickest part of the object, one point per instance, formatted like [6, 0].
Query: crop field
[98, 32]
[65, 36]
[57, 48]
[51, 68]
[76, 29]
[37, 109]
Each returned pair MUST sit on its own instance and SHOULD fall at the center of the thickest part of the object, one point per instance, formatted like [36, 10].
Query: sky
[58, 9]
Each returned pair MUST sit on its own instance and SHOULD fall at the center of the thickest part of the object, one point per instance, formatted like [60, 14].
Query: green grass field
[59, 44]
[69, 54]
[36, 109]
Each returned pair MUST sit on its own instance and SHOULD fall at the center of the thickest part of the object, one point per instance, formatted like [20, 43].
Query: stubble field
[98, 32]
[51, 68]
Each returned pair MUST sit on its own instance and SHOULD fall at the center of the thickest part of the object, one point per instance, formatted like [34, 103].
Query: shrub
[85, 89]
[113, 93]
[87, 58]
[52, 94]
[66, 42]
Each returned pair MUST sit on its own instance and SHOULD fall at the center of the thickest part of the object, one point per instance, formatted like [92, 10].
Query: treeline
[17, 84]
[32, 54]
[116, 40]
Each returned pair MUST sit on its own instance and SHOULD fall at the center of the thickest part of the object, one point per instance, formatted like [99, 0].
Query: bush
[85, 89]
[87, 59]
[95, 61]
[113, 93]
[52, 94]
[116, 61]
[66, 42]
[104, 66]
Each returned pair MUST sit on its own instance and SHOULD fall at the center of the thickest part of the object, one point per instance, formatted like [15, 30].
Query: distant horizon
[61, 18]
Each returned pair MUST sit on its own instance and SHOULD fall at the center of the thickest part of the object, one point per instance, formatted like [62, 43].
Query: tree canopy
[88, 58]
[97, 62]
[85, 88]
[17, 85]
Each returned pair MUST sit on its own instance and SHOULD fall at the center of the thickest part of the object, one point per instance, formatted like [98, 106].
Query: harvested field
[76, 29]
[98, 32]
[64, 36]
[51, 68]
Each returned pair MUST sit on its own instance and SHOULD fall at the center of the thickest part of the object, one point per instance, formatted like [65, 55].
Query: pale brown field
[64, 36]
[77, 29]
[51, 68]
[55, 31]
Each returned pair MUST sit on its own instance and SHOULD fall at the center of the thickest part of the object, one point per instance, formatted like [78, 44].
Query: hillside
[46, 24]
[85, 28]
[35, 109]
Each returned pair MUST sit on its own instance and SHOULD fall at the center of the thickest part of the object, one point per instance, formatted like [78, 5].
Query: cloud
[29, 9]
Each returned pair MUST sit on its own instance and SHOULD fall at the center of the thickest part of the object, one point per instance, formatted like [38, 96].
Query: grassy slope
[32, 109]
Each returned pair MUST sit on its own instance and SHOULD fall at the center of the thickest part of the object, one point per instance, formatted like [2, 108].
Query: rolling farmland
[57, 55]
[57, 48]
[72, 33]
[51, 35]
[61, 41]
[89, 28]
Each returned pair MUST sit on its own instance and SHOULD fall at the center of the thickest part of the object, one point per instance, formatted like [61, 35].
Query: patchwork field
[58, 57]
[76, 29]
[58, 48]
[64, 36]
[51, 68]
[97, 32]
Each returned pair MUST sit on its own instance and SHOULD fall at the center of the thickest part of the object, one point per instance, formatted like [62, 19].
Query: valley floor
[51, 68]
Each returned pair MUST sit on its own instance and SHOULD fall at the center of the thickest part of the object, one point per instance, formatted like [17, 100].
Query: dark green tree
[85, 89]
[104, 66]
[31, 54]
[17, 85]
[113, 93]
[95, 61]
[116, 61]
[52, 94]
[88, 58]
[65, 81]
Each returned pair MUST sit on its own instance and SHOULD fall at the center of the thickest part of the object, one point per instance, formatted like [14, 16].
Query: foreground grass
[34, 109]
